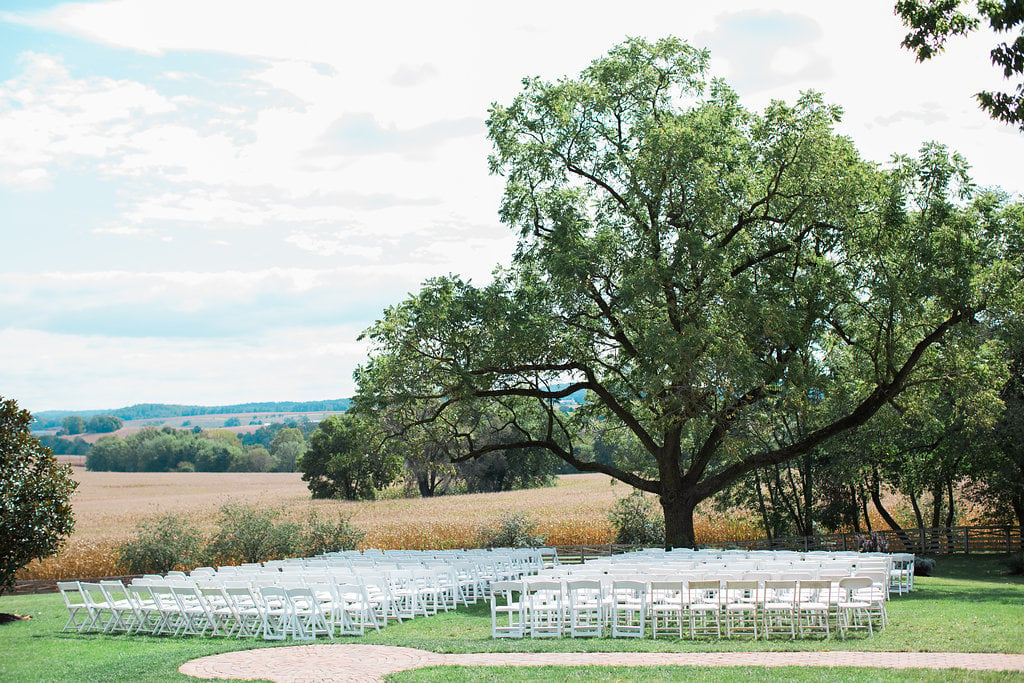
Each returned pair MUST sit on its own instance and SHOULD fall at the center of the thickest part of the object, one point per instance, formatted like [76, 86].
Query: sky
[207, 202]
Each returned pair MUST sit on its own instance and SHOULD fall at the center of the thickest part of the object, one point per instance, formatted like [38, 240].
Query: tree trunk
[807, 474]
[423, 482]
[938, 494]
[854, 508]
[762, 508]
[1017, 502]
[678, 507]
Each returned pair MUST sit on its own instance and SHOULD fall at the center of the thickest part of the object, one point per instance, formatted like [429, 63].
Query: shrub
[923, 566]
[160, 545]
[636, 522]
[872, 543]
[35, 495]
[514, 530]
[251, 534]
[325, 536]
[1015, 564]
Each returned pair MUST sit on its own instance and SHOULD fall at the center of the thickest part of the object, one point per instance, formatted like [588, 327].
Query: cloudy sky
[206, 202]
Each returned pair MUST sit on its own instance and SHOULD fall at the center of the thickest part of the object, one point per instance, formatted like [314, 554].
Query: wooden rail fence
[926, 541]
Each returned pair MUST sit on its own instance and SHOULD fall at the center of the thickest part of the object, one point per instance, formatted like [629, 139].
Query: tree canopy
[704, 272]
[342, 463]
[933, 22]
[35, 495]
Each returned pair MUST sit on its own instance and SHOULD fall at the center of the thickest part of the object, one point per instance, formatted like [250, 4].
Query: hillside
[49, 419]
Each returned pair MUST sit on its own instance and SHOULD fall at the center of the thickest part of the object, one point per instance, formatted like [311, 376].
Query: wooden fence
[927, 541]
[34, 586]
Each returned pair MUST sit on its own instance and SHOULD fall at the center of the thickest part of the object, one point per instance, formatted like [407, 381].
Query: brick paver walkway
[365, 663]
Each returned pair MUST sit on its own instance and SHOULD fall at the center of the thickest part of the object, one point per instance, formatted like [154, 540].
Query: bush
[514, 530]
[872, 543]
[251, 534]
[160, 545]
[35, 495]
[923, 566]
[1014, 564]
[636, 521]
[325, 536]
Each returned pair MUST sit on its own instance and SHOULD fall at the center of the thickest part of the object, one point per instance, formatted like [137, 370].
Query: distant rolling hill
[49, 419]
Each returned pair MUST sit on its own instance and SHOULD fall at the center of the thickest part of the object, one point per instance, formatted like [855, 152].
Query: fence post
[967, 545]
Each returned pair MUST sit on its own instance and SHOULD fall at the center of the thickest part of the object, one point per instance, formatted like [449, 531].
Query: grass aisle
[967, 607]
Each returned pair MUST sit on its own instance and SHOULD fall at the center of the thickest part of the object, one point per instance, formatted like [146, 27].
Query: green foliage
[61, 446]
[234, 421]
[636, 521]
[343, 462]
[326, 536]
[35, 495]
[1014, 563]
[733, 289]
[101, 424]
[933, 22]
[505, 471]
[160, 545]
[73, 424]
[513, 530]
[248, 533]
[166, 449]
[286, 448]
[924, 566]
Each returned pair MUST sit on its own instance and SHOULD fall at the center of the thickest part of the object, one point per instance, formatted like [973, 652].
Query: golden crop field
[108, 505]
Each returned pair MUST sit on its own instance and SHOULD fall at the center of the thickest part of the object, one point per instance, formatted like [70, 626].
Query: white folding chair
[586, 608]
[854, 606]
[508, 611]
[778, 608]
[628, 615]
[545, 608]
[126, 616]
[668, 606]
[813, 605]
[247, 610]
[704, 599]
[101, 614]
[78, 612]
[307, 616]
[740, 607]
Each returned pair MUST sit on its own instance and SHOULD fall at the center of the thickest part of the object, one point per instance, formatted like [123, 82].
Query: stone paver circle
[359, 663]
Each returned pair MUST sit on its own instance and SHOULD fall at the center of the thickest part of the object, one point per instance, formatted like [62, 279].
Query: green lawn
[968, 606]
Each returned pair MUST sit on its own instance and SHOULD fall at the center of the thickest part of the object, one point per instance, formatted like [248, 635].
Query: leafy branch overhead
[704, 272]
[933, 22]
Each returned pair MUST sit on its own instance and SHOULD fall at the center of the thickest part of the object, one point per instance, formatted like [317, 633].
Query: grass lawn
[967, 607]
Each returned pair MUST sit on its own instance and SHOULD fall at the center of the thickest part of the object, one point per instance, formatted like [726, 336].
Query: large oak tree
[702, 271]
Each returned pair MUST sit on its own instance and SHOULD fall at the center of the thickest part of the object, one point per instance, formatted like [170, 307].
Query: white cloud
[256, 166]
[46, 371]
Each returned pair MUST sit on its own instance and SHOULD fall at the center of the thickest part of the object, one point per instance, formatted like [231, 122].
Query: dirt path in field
[370, 663]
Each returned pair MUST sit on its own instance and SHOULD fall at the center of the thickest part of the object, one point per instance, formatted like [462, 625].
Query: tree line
[50, 419]
[273, 448]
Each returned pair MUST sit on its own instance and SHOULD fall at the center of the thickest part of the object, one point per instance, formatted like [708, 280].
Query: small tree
[340, 462]
[73, 424]
[250, 534]
[101, 424]
[327, 536]
[636, 521]
[160, 545]
[35, 495]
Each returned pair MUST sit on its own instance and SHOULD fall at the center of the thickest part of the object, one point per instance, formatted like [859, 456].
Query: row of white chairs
[270, 612]
[593, 607]
[273, 600]
[893, 571]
